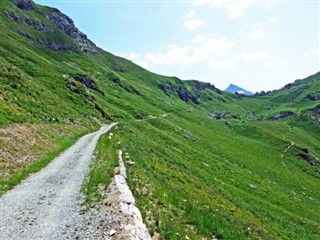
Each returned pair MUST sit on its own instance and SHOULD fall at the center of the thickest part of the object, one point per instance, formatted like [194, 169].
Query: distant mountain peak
[234, 88]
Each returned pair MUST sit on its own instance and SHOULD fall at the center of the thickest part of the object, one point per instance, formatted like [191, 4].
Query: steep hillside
[206, 162]
[50, 62]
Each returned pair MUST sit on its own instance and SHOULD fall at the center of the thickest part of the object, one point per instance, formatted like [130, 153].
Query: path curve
[46, 205]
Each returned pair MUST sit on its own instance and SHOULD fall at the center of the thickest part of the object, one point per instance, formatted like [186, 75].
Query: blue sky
[258, 45]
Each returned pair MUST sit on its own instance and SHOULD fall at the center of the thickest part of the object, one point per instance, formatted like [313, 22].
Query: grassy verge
[20, 174]
[102, 168]
[197, 177]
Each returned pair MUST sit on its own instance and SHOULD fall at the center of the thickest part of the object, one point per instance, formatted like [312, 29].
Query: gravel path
[46, 205]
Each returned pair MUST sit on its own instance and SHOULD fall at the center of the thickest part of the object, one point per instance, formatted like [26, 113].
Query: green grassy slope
[201, 173]
[211, 163]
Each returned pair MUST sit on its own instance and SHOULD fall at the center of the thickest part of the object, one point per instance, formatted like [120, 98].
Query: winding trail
[46, 205]
[287, 148]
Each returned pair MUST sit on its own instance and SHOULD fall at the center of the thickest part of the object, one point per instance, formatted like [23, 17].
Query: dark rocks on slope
[183, 94]
[88, 82]
[24, 34]
[26, 5]
[309, 158]
[168, 88]
[57, 45]
[49, 44]
[313, 96]
[18, 19]
[281, 115]
[262, 93]
[200, 86]
[129, 89]
[67, 26]
[223, 115]
[316, 109]
[41, 27]
[297, 82]
[103, 113]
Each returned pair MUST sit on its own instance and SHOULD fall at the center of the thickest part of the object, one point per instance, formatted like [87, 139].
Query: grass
[102, 168]
[199, 173]
[192, 174]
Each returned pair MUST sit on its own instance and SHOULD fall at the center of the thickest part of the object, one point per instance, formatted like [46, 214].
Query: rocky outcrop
[309, 157]
[103, 113]
[281, 115]
[128, 88]
[222, 115]
[55, 45]
[88, 82]
[24, 34]
[200, 86]
[183, 93]
[25, 5]
[168, 88]
[180, 89]
[49, 44]
[62, 21]
[23, 20]
[262, 93]
[313, 96]
[66, 24]
[316, 110]
[297, 82]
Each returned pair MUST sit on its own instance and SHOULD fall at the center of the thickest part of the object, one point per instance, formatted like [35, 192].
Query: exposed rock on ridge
[41, 27]
[26, 5]
[67, 26]
[183, 93]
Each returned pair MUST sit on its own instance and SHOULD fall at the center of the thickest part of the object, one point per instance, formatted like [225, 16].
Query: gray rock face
[57, 45]
[88, 82]
[180, 88]
[26, 5]
[41, 27]
[67, 25]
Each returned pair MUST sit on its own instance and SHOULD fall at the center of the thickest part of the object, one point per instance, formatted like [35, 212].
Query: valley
[201, 163]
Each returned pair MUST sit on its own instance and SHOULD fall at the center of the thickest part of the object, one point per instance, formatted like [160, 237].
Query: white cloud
[197, 39]
[273, 19]
[202, 52]
[269, 4]
[191, 14]
[193, 24]
[221, 64]
[235, 9]
[258, 55]
[136, 58]
[257, 32]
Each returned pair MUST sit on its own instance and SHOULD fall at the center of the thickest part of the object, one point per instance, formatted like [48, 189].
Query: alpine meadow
[201, 163]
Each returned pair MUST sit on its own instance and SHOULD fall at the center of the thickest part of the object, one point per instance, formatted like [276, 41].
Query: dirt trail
[46, 205]
[287, 148]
